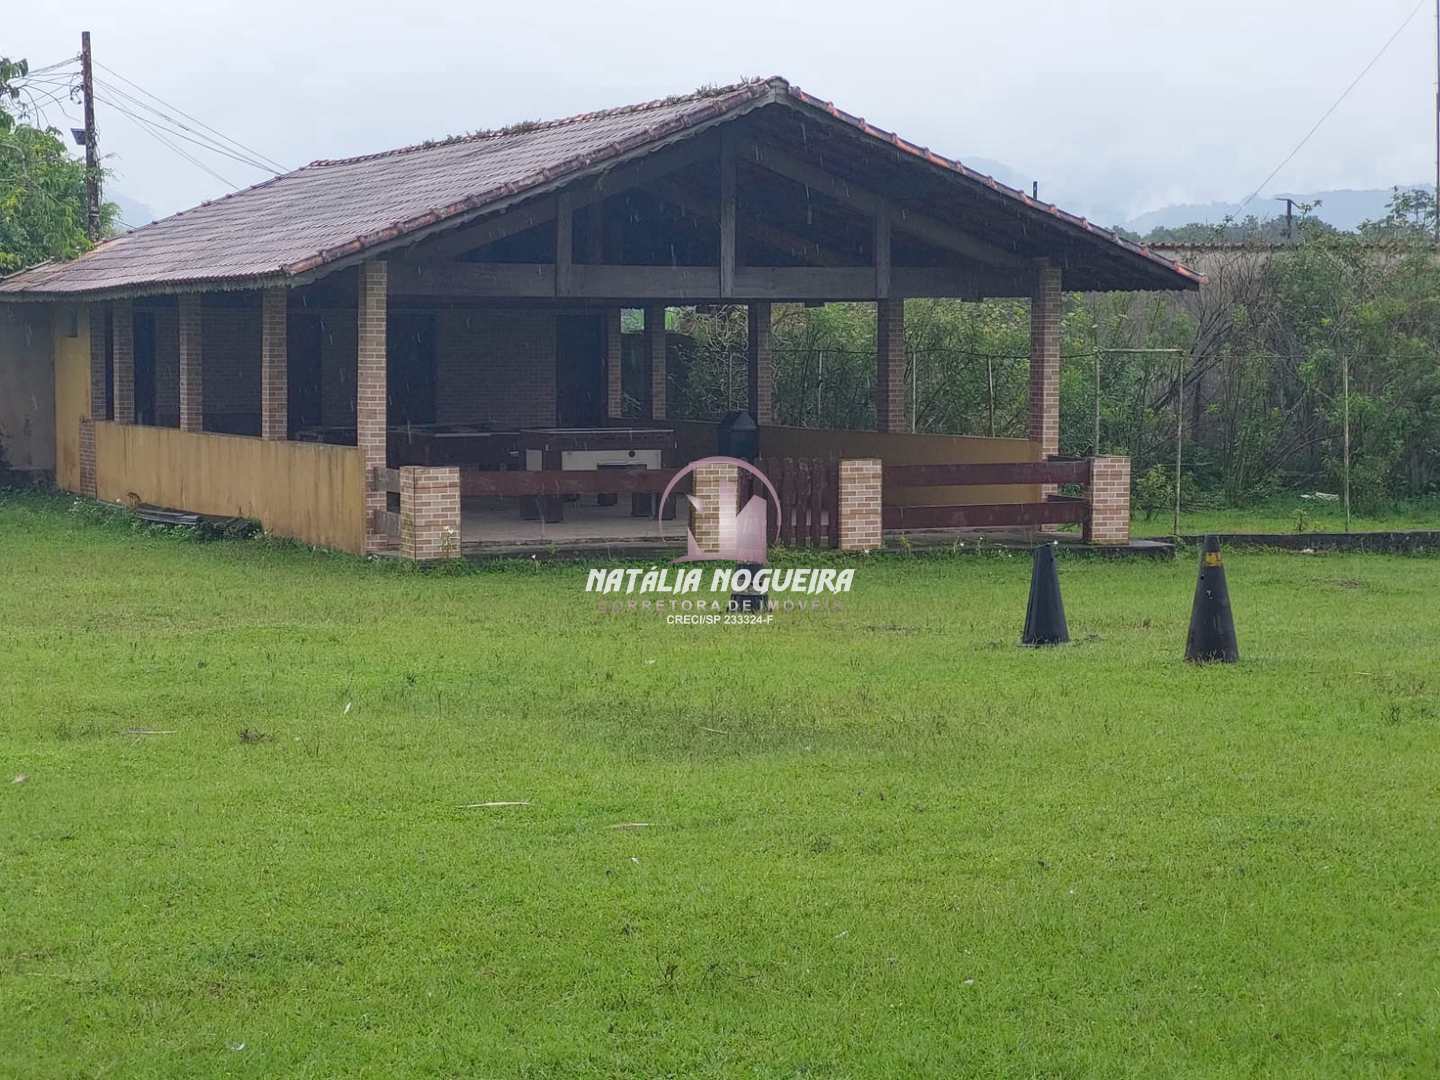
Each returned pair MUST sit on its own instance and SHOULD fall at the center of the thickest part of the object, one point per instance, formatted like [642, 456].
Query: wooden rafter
[668, 190]
[931, 230]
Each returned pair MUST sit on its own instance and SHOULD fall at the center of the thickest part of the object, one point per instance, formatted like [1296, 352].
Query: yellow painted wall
[697, 439]
[72, 389]
[307, 491]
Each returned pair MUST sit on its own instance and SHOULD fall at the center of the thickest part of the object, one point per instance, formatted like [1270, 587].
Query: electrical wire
[51, 67]
[123, 110]
[179, 130]
[278, 167]
[158, 137]
[1364, 71]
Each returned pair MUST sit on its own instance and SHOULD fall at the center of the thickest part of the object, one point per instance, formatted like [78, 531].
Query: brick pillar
[716, 485]
[370, 403]
[429, 513]
[99, 354]
[274, 365]
[655, 358]
[759, 365]
[1045, 310]
[122, 328]
[890, 365]
[614, 384]
[87, 456]
[1109, 521]
[192, 390]
[860, 527]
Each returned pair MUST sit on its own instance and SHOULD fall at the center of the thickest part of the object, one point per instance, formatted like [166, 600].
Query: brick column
[890, 365]
[429, 513]
[1109, 501]
[759, 365]
[715, 485]
[274, 365]
[192, 390]
[1045, 311]
[370, 402]
[860, 526]
[122, 351]
[655, 358]
[614, 372]
[99, 353]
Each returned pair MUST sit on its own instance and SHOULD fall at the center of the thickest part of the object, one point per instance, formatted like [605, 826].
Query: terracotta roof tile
[330, 209]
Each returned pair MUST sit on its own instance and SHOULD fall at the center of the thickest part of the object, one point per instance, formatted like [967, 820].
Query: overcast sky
[1115, 107]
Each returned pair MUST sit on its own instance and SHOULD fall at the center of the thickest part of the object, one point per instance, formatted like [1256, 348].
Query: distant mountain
[1343, 208]
[133, 213]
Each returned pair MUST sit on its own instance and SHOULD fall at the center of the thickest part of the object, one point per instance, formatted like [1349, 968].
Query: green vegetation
[881, 841]
[1290, 514]
[42, 188]
[1262, 354]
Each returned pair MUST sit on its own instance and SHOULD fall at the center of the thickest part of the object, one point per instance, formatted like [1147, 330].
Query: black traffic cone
[1045, 614]
[1212, 625]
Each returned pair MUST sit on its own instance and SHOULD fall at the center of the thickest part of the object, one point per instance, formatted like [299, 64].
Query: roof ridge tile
[525, 127]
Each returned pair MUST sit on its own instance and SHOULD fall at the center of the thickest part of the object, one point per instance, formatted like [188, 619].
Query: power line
[51, 67]
[176, 128]
[204, 145]
[278, 167]
[1364, 71]
[150, 130]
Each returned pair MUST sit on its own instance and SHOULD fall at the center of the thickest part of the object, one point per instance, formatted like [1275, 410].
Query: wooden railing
[1054, 510]
[557, 482]
[809, 490]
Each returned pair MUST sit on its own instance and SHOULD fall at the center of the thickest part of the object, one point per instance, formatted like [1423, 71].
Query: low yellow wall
[697, 439]
[308, 491]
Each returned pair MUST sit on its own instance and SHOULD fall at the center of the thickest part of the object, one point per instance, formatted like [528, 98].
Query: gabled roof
[296, 225]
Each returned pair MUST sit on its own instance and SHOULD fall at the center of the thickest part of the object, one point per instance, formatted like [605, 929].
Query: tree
[42, 188]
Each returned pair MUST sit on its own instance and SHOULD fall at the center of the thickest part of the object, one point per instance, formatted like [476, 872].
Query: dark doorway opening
[109, 365]
[411, 360]
[304, 334]
[144, 329]
[580, 370]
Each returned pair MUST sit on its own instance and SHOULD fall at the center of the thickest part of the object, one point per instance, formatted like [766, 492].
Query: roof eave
[1184, 277]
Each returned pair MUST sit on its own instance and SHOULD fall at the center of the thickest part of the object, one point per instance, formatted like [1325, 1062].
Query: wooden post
[564, 243]
[882, 250]
[92, 149]
[727, 214]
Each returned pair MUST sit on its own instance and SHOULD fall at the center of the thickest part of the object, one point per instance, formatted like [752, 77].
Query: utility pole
[1290, 208]
[92, 151]
[1436, 203]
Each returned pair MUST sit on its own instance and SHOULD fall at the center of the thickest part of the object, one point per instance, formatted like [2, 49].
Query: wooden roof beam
[668, 190]
[931, 230]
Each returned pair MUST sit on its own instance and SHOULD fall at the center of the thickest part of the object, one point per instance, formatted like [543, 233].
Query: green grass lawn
[1288, 514]
[880, 841]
